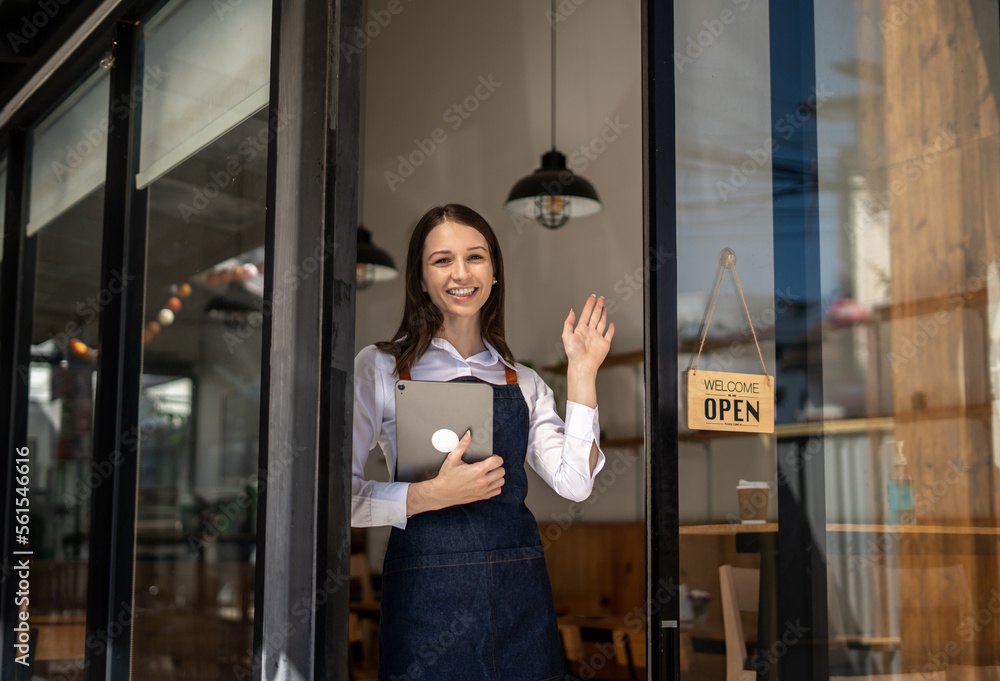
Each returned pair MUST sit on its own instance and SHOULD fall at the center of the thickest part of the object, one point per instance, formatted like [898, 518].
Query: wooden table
[841, 538]
[625, 623]
[60, 637]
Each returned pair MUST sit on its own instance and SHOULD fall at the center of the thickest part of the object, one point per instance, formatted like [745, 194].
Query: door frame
[659, 237]
[313, 326]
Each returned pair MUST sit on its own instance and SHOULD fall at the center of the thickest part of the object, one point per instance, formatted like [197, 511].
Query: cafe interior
[886, 394]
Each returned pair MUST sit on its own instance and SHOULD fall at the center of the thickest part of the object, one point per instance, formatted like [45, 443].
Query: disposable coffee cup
[753, 499]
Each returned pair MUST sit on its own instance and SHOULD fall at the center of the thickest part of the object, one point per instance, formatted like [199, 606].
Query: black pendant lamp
[374, 264]
[553, 194]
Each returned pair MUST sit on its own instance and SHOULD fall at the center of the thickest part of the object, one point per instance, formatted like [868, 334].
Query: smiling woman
[465, 537]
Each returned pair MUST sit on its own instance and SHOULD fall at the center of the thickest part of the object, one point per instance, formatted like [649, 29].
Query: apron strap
[511, 375]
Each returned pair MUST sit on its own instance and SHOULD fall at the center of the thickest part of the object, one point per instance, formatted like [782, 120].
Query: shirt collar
[480, 358]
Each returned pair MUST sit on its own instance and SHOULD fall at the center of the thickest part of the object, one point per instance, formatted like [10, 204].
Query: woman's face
[456, 272]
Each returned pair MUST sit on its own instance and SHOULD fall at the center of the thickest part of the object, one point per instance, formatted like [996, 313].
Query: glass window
[3, 199]
[3, 208]
[725, 187]
[69, 151]
[67, 212]
[203, 157]
[200, 411]
[909, 175]
[209, 69]
[893, 374]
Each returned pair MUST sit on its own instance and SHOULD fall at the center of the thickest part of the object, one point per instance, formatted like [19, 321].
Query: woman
[465, 593]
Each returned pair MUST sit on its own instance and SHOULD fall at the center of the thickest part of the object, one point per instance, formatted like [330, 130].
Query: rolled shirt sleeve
[560, 451]
[372, 503]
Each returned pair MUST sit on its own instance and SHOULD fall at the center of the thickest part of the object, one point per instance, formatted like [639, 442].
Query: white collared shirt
[559, 452]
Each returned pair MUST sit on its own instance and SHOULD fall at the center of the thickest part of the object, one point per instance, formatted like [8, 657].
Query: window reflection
[62, 384]
[196, 520]
[908, 171]
[894, 377]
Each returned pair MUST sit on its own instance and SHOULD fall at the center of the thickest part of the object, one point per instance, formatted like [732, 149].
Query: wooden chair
[363, 632]
[360, 671]
[572, 642]
[630, 651]
[590, 654]
[915, 676]
[740, 589]
[362, 575]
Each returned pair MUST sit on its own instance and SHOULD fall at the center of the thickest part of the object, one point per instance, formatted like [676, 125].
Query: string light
[175, 303]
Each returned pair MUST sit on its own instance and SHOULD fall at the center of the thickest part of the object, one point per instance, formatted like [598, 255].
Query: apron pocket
[436, 620]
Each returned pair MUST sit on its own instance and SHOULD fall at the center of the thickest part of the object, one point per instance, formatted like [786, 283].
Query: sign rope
[730, 262]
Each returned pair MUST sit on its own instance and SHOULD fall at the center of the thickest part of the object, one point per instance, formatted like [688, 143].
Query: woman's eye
[438, 262]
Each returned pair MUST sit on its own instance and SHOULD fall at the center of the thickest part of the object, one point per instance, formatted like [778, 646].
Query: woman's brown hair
[421, 318]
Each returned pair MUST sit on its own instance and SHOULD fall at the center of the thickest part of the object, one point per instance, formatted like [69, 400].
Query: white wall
[430, 57]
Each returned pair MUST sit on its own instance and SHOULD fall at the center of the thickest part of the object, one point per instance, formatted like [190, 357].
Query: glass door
[849, 155]
[727, 179]
[203, 161]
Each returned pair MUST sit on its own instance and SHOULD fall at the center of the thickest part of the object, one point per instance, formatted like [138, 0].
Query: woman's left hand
[587, 345]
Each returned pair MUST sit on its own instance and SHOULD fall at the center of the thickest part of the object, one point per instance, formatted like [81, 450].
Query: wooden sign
[719, 400]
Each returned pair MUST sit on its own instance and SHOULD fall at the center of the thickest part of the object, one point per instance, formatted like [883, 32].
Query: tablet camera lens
[402, 387]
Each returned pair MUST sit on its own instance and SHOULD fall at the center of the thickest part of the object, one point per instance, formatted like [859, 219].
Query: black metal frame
[315, 209]
[60, 26]
[306, 415]
[75, 67]
[17, 288]
[119, 369]
[660, 312]
[801, 585]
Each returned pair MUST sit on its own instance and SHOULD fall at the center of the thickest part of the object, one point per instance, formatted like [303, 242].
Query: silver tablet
[431, 416]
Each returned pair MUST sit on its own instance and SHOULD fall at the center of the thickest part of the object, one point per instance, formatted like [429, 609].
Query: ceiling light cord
[552, 20]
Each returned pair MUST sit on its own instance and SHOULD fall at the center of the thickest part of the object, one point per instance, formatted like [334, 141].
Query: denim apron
[465, 592]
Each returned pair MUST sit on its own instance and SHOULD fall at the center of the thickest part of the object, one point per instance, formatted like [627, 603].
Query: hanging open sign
[718, 400]
[723, 401]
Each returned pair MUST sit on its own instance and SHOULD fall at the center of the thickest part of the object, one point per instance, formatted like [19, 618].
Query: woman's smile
[463, 294]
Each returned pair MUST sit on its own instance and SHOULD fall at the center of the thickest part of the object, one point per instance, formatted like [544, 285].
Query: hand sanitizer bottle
[902, 509]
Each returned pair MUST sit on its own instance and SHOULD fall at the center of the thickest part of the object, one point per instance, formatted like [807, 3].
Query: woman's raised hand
[587, 345]
[457, 482]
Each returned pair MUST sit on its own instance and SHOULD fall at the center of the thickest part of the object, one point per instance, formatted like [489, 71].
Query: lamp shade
[374, 264]
[553, 193]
